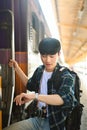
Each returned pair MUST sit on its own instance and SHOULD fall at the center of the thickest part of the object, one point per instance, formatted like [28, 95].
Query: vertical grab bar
[13, 72]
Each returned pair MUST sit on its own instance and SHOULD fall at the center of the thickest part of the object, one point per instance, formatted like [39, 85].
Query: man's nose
[47, 58]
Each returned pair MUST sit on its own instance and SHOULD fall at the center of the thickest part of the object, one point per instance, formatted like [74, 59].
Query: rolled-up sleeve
[66, 90]
[31, 84]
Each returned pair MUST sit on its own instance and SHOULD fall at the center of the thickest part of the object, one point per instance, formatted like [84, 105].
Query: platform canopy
[71, 20]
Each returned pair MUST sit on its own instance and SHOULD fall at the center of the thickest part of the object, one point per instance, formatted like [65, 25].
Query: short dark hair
[49, 46]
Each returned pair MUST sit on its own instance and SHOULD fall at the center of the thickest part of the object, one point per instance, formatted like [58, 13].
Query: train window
[35, 32]
[34, 39]
[42, 30]
[5, 37]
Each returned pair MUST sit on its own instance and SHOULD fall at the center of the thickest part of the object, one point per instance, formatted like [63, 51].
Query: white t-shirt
[43, 85]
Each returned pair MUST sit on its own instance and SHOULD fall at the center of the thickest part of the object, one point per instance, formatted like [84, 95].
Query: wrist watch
[36, 96]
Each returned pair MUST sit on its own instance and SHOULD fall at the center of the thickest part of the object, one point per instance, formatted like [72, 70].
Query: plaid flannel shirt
[59, 83]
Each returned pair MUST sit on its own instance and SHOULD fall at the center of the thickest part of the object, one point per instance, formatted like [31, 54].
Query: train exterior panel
[29, 28]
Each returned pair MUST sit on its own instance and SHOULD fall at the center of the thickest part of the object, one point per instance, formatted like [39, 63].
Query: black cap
[49, 46]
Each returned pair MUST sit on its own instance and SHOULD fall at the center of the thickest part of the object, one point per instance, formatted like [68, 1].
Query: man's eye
[51, 56]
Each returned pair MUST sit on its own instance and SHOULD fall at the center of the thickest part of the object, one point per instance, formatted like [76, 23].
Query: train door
[6, 73]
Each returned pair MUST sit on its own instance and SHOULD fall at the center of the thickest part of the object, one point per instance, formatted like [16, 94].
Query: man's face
[50, 61]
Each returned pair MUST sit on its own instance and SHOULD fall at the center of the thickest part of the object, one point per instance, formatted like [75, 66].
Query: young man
[52, 91]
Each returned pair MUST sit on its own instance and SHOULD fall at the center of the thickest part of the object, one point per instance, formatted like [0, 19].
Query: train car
[22, 26]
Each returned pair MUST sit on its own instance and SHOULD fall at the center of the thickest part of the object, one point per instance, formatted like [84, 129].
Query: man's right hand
[21, 74]
[13, 63]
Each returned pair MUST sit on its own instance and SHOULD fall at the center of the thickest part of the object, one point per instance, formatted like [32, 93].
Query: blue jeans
[30, 124]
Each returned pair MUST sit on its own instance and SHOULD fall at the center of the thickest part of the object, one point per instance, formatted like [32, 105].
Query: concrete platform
[84, 102]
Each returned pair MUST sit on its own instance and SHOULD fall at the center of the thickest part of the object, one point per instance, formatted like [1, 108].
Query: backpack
[73, 120]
